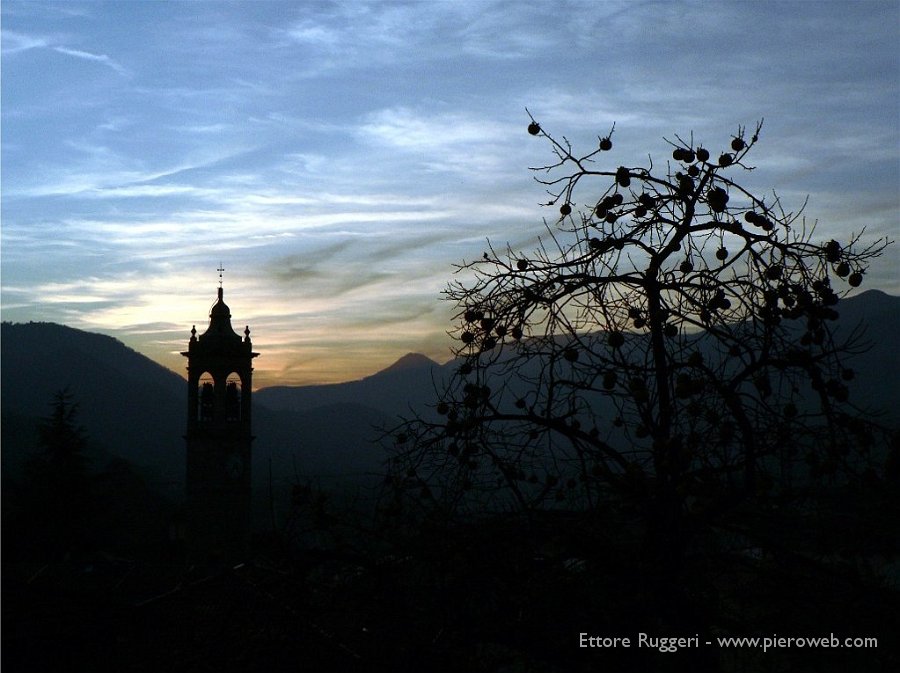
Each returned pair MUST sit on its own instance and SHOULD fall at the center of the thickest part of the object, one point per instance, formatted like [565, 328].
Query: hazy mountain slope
[332, 446]
[411, 380]
[135, 409]
[877, 383]
[127, 402]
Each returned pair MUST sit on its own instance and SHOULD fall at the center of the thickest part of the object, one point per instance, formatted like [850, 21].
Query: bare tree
[670, 344]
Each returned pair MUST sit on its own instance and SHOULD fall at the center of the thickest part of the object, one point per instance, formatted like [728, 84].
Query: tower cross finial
[220, 270]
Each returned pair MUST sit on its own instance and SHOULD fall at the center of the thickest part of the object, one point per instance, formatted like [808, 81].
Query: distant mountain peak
[410, 361]
[873, 295]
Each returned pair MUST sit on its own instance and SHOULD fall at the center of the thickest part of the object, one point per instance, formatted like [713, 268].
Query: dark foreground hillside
[491, 595]
[348, 572]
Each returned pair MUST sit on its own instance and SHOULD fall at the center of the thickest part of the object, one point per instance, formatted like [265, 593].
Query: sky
[339, 158]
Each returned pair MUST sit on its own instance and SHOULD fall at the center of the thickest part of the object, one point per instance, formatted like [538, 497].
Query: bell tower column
[219, 437]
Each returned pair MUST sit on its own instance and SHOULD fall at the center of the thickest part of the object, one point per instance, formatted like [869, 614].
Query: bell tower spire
[219, 437]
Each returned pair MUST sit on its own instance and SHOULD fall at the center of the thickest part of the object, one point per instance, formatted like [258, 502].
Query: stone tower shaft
[219, 437]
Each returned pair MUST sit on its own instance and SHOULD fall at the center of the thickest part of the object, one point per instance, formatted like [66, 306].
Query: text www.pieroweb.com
[670, 644]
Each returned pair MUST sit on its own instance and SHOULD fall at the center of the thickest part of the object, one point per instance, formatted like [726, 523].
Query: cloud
[147, 190]
[103, 59]
[100, 172]
[402, 127]
[307, 266]
[487, 31]
[13, 42]
[308, 32]
[205, 128]
[479, 147]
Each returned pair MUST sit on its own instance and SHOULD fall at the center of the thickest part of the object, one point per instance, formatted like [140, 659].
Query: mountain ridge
[407, 362]
[877, 311]
[135, 408]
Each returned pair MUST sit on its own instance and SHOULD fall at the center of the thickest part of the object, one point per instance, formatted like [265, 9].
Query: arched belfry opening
[206, 398]
[219, 437]
[233, 399]
[219, 400]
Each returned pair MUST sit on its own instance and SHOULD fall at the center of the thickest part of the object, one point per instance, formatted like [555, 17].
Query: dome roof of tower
[220, 309]
[220, 332]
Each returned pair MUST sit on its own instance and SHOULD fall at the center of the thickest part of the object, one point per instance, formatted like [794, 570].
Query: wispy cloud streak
[102, 59]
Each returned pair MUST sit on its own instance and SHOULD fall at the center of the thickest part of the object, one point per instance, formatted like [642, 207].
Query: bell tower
[218, 439]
